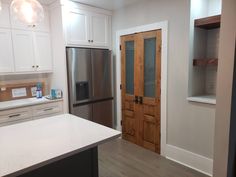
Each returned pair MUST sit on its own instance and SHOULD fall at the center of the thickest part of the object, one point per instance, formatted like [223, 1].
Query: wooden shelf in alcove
[205, 62]
[208, 22]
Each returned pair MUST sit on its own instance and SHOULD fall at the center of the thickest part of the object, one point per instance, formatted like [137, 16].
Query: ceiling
[105, 4]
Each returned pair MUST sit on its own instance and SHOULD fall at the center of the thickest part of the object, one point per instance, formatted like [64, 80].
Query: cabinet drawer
[47, 109]
[15, 115]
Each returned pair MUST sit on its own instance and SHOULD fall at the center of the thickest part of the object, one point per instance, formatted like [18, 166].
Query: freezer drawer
[103, 113]
[83, 111]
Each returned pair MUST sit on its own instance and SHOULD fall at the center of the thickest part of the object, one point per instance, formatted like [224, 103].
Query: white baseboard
[189, 159]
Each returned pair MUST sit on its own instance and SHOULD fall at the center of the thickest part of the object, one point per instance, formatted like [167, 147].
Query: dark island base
[83, 164]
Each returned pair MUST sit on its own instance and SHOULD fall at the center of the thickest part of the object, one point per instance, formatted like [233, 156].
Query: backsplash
[26, 82]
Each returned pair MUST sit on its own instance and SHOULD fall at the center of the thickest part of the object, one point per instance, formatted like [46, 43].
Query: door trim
[155, 26]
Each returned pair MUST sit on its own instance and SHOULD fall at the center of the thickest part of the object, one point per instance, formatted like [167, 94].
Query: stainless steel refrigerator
[90, 84]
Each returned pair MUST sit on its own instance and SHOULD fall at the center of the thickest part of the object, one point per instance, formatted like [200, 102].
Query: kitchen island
[59, 146]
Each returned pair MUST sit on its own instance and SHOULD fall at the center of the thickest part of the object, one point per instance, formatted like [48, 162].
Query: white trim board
[189, 159]
[164, 27]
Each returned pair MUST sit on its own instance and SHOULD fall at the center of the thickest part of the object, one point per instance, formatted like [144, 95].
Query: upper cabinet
[78, 27]
[43, 54]
[4, 16]
[87, 26]
[99, 29]
[32, 51]
[24, 49]
[42, 26]
[6, 54]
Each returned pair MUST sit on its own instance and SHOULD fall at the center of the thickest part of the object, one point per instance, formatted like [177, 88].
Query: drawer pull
[49, 109]
[15, 115]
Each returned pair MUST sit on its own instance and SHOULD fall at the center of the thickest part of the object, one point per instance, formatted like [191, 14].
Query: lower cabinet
[43, 110]
[31, 112]
[13, 115]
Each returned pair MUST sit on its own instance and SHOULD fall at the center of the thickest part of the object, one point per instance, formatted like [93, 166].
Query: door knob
[136, 100]
[140, 100]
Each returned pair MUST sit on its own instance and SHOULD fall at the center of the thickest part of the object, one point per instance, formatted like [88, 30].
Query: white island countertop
[4, 105]
[30, 145]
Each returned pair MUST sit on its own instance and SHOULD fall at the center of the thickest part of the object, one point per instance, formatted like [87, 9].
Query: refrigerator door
[79, 75]
[83, 111]
[103, 113]
[101, 74]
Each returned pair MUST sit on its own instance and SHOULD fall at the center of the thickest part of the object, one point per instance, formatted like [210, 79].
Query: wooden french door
[141, 88]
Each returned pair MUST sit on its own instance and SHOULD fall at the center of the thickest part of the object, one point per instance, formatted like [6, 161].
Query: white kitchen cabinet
[87, 26]
[78, 27]
[23, 50]
[43, 52]
[5, 16]
[32, 51]
[42, 26]
[99, 30]
[6, 54]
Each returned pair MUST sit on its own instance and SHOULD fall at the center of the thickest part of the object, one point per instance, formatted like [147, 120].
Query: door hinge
[120, 86]
[120, 47]
[121, 122]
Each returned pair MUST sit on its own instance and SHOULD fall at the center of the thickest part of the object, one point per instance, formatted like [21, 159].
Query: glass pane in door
[129, 67]
[150, 67]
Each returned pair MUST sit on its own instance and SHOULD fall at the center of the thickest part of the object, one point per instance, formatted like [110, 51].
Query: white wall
[189, 126]
[214, 7]
[224, 86]
[59, 76]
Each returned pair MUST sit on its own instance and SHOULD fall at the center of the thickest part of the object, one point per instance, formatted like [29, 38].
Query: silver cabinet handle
[15, 115]
[48, 109]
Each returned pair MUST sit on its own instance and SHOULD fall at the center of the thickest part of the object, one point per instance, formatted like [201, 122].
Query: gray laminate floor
[120, 158]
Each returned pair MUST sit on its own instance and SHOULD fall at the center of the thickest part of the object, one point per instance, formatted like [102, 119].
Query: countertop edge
[30, 104]
[41, 164]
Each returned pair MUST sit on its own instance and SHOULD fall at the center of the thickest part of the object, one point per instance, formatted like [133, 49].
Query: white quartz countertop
[4, 105]
[30, 145]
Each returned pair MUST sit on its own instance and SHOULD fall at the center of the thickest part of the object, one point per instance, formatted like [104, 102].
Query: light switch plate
[19, 92]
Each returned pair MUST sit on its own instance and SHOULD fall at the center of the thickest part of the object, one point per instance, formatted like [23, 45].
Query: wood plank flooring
[120, 158]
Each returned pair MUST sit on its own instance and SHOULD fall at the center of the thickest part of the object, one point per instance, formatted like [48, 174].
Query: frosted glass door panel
[150, 67]
[129, 67]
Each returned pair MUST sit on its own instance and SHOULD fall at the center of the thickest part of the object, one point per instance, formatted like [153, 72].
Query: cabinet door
[43, 55]
[44, 25]
[4, 16]
[15, 115]
[47, 110]
[99, 30]
[78, 28]
[6, 54]
[23, 50]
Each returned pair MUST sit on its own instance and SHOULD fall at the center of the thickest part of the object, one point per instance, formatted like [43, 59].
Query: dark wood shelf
[208, 22]
[205, 62]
